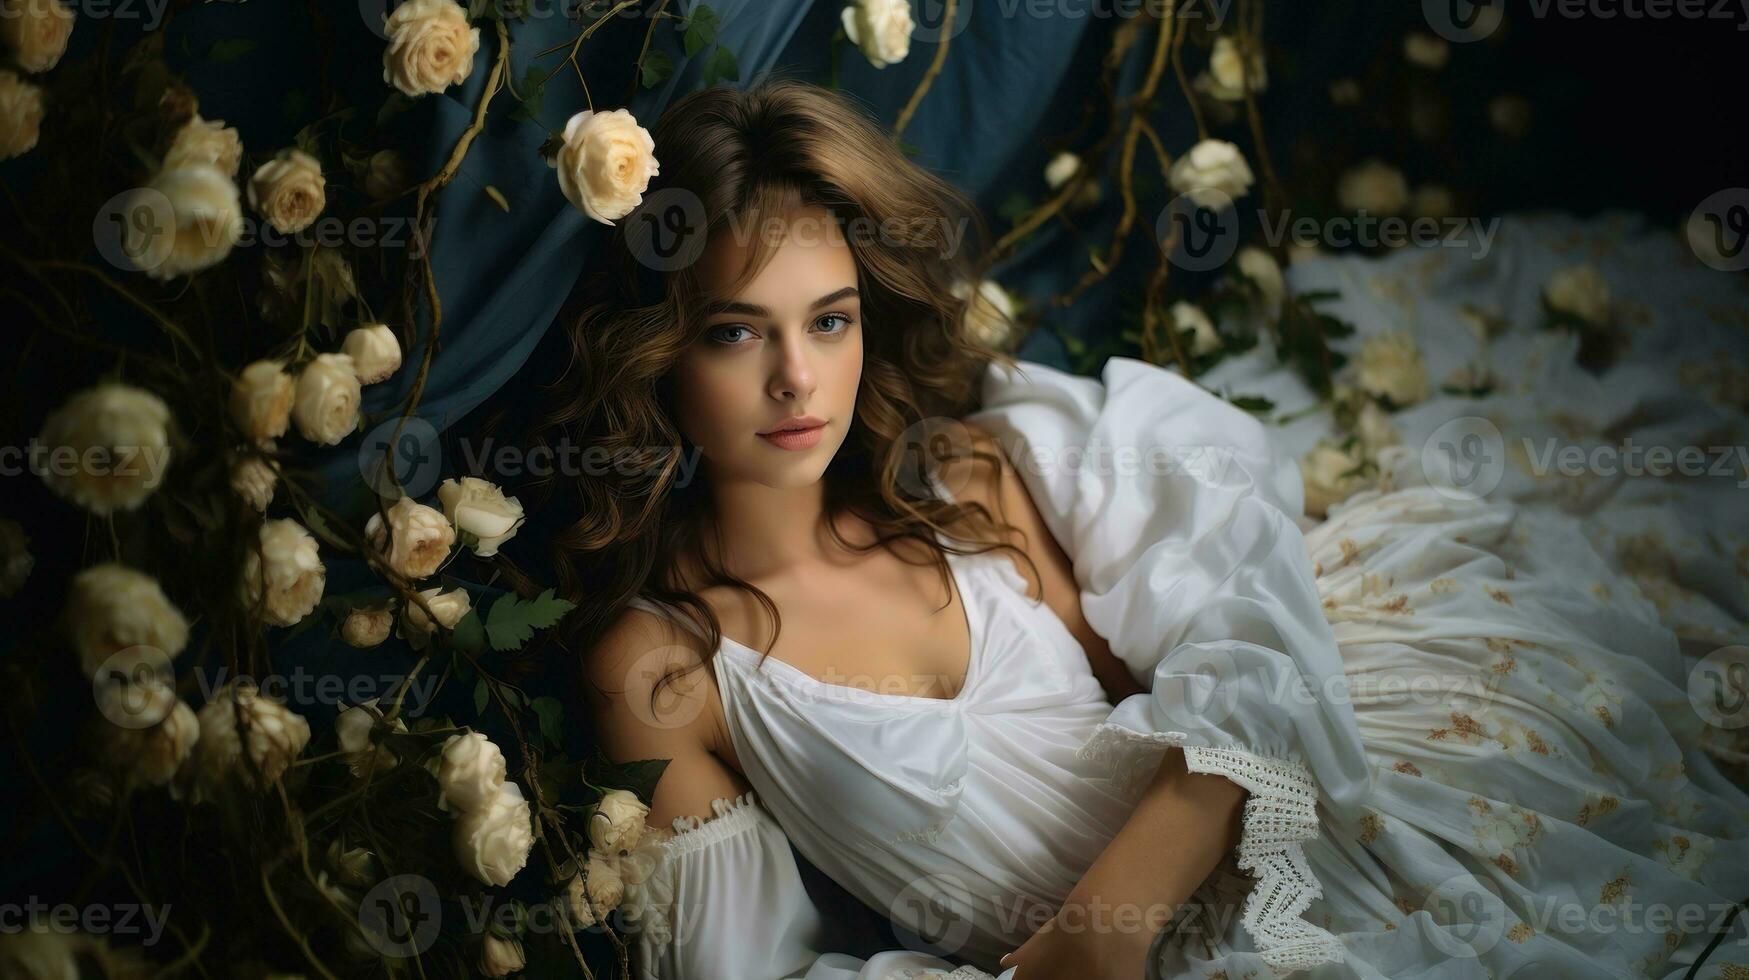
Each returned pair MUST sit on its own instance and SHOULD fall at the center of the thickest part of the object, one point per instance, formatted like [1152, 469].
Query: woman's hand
[1084, 946]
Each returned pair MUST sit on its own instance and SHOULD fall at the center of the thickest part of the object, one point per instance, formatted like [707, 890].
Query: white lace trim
[654, 915]
[1280, 815]
[1129, 756]
[962, 973]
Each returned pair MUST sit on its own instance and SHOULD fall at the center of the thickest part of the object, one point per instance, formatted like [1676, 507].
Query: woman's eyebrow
[750, 309]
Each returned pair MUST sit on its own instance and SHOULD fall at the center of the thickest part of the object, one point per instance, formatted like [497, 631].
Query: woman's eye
[718, 334]
[836, 316]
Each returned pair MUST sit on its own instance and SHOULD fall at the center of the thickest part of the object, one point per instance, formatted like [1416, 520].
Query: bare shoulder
[653, 698]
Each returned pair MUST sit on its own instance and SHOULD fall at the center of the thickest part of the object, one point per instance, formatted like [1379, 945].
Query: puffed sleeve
[1180, 521]
[726, 901]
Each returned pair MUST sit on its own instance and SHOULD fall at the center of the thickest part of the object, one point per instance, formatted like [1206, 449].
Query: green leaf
[469, 634]
[480, 696]
[551, 713]
[722, 67]
[230, 49]
[701, 30]
[1253, 403]
[533, 90]
[657, 68]
[512, 621]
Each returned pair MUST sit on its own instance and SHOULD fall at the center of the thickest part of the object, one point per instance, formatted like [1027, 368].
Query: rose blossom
[285, 573]
[605, 164]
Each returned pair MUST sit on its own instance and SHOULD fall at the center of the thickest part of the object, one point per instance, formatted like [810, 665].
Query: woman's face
[789, 345]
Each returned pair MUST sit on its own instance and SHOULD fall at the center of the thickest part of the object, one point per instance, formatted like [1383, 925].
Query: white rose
[1374, 187]
[416, 540]
[638, 864]
[275, 736]
[1374, 428]
[1326, 471]
[16, 560]
[41, 950]
[605, 164]
[111, 608]
[253, 479]
[1204, 339]
[289, 190]
[326, 406]
[1433, 201]
[577, 903]
[365, 628]
[385, 175]
[500, 956]
[261, 401]
[448, 607]
[375, 352]
[206, 215]
[21, 115]
[470, 772]
[990, 314]
[149, 756]
[1211, 174]
[353, 727]
[431, 47]
[1390, 366]
[206, 141]
[1060, 169]
[618, 821]
[285, 573]
[1579, 291]
[881, 28]
[36, 31]
[1422, 48]
[481, 509]
[492, 841]
[1229, 74]
[108, 447]
[606, 887]
[1261, 270]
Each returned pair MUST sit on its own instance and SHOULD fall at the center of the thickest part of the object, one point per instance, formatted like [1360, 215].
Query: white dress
[1468, 746]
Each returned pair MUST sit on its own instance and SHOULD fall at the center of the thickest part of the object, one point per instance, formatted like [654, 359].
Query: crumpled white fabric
[1181, 523]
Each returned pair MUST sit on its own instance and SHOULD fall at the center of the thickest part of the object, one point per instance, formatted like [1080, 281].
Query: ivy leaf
[1256, 404]
[722, 67]
[656, 69]
[551, 712]
[480, 696]
[534, 89]
[701, 30]
[512, 620]
[230, 49]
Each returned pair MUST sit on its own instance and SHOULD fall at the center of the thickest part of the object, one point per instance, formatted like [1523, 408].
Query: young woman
[1042, 667]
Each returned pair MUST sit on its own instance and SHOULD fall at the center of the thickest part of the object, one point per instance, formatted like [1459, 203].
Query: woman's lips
[794, 438]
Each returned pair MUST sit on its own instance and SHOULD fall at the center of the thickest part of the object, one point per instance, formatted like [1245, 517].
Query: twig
[947, 18]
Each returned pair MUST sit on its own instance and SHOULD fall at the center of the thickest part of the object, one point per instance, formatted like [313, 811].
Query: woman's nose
[793, 378]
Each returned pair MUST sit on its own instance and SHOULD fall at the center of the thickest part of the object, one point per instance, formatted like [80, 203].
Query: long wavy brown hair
[727, 155]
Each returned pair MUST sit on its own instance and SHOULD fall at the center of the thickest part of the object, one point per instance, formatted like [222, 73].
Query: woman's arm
[1182, 827]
